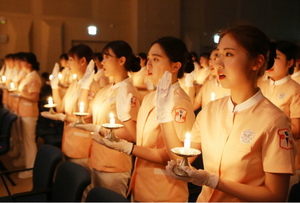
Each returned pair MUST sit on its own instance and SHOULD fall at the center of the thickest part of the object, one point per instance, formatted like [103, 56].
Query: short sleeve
[278, 149]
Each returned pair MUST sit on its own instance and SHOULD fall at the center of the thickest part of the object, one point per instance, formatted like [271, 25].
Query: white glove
[123, 103]
[197, 177]
[88, 127]
[189, 79]
[56, 116]
[164, 99]
[88, 76]
[121, 146]
[55, 80]
[97, 137]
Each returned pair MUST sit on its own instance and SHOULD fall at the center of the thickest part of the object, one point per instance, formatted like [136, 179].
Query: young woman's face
[98, 63]
[280, 67]
[158, 63]
[25, 66]
[204, 62]
[212, 60]
[110, 63]
[74, 64]
[233, 66]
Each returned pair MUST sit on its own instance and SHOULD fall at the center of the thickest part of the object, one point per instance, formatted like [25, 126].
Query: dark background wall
[51, 27]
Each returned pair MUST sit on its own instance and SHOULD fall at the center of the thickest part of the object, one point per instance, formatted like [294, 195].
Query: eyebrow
[225, 49]
[155, 55]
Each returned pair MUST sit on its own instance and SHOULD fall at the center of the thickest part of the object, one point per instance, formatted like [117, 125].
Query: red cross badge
[180, 115]
[285, 141]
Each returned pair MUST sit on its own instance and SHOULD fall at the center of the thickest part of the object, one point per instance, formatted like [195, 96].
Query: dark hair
[176, 51]
[190, 64]
[9, 56]
[45, 75]
[30, 58]
[255, 42]
[142, 55]
[289, 49]
[98, 56]
[194, 54]
[64, 56]
[18, 56]
[81, 50]
[120, 49]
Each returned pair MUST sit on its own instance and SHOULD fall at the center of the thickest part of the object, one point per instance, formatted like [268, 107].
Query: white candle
[112, 119]
[50, 77]
[81, 107]
[50, 101]
[59, 76]
[212, 96]
[12, 85]
[3, 78]
[74, 76]
[187, 142]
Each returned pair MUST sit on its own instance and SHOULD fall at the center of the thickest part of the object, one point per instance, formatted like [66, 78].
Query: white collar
[246, 104]
[175, 85]
[296, 74]
[115, 86]
[280, 82]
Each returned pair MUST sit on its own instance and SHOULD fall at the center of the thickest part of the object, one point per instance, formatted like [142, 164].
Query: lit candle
[50, 77]
[59, 76]
[112, 119]
[12, 85]
[212, 96]
[3, 78]
[187, 142]
[81, 107]
[50, 101]
[74, 76]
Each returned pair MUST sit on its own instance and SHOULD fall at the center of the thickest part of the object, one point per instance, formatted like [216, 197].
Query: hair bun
[272, 55]
[135, 65]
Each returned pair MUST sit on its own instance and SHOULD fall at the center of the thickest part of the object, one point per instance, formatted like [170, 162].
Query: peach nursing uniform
[284, 93]
[242, 143]
[76, 143]
[28, 112]
[210, 91]
[103, 159]
[296, 77]
[150, 181]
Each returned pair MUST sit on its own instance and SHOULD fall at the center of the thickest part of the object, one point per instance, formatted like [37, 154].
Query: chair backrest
[5, 130]
[3, 112]
[101, 194]
[46, 161]
[294, 195]
[70, 181]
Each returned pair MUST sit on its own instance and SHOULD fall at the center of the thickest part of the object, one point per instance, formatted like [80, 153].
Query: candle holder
[50, 107]
[12, 89]
[111, 135]
[80, 115]
[184, 153]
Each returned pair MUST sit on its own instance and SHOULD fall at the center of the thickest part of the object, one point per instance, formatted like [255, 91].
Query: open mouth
[270, 70]
[149, 73]
[221, 75]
